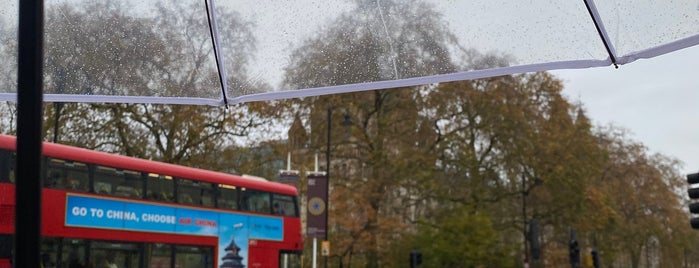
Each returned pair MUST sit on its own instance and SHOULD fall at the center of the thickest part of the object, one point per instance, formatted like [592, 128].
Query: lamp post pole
[346, 122]
[524, 220]
[327, 180]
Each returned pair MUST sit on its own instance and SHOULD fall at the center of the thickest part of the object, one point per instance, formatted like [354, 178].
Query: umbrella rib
[602, 33]
[214, 41]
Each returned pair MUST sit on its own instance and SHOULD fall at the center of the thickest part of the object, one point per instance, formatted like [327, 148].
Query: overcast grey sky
[656, 99]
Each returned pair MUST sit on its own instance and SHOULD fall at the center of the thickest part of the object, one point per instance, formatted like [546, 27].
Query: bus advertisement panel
[230, 228]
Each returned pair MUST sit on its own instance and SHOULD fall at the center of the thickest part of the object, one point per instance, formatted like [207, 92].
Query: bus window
[256, 201]
[195, 193]
[114, 254]
[13, 165]
[49, 252]
[289, 259]
[73, 253]
[7, 166]
[227, 197]
[67, 175]
[6, 243]
[124, 183]
[159, 255]
[192, 256]
[284, 205]
[160, 188]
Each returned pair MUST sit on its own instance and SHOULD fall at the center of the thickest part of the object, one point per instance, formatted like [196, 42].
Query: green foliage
[462, 238]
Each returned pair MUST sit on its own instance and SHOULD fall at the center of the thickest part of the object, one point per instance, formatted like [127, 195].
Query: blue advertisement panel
[100, 213]
[234, 231]
[146, 217]
[199, 222]
[233, 240]
[266, 228]
[86, 211]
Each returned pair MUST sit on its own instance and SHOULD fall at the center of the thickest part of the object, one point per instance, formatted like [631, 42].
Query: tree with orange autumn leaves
[439, 168]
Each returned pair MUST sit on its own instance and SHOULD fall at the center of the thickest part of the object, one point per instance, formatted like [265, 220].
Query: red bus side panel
[7, 208]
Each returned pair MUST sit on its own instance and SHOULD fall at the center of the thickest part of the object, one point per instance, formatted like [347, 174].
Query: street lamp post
[327, 180]
[524, 220]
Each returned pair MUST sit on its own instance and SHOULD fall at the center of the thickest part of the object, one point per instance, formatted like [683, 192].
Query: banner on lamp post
[316, 216]
[290, 177]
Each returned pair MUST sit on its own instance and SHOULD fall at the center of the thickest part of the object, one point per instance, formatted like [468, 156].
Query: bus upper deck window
[67, 175]
[256, 201]
[227, 197]
[160, 188]
[7, 166]
[118, 182]
[284, 205]
[13, 163]
[192, 192]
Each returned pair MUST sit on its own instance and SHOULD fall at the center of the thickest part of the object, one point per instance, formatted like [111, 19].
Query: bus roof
[131, 163]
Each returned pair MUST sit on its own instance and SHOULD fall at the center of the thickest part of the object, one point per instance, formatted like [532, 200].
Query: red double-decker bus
[105, 210]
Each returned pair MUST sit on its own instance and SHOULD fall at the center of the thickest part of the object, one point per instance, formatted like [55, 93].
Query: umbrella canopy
[214, 53]
[198, 52]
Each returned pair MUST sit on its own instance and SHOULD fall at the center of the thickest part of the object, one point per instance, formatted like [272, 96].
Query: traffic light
[574, 251]
[595, 258]
[415, 258]
[693, 194]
